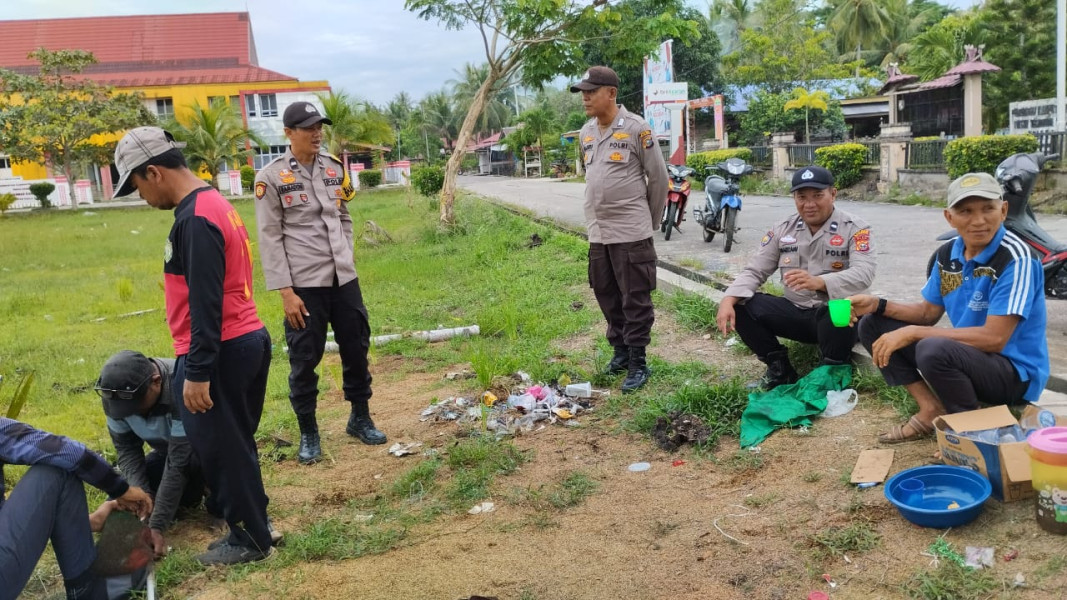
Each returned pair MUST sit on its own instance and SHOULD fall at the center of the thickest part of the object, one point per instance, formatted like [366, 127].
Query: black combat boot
[779, 371]
[620, 362]
[637, 372]
[361, 426]
[310, 446]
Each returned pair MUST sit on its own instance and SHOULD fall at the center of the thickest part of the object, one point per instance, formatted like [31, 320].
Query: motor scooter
[1017, 175]
[722, 200]
[677, 196]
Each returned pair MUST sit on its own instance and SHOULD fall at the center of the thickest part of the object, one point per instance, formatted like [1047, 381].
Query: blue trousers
[47, 504]
[224, 437]
[342, 308]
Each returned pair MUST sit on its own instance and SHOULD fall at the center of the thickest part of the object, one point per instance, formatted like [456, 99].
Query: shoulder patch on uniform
[862, 240]
[646, 138]
[261, 189]
[767, 238]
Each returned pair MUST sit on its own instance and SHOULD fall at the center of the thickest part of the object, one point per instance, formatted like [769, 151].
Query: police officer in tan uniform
[305, 241]
[622, 209]
[823, 253]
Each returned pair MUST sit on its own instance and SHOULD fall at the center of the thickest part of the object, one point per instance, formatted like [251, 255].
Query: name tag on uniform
[291, 187]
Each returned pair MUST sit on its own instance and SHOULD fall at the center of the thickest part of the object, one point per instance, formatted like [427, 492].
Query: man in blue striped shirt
[48, 503]
[992, 288]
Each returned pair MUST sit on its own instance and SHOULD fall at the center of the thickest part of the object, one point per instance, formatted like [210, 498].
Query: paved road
[904, 237]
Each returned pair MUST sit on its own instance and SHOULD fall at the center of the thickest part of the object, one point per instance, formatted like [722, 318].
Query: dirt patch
[725, 524]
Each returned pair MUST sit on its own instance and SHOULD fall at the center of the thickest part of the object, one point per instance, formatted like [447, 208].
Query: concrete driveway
[903, 236]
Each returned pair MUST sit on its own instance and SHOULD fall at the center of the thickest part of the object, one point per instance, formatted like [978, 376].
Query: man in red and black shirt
[223, 350]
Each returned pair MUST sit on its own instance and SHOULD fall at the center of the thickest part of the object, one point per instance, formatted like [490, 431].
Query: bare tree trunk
[448, 191]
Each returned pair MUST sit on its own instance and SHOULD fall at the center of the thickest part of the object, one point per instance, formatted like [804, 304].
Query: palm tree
[859, 23]
[940, 47]
[534, 124]
[728, 19]
[440, 117]
[496, 113]
[802, 99]
[907, 19]
[214, 136]
[354, 122]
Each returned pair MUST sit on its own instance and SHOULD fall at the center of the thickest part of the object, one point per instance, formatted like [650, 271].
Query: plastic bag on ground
[840, 402]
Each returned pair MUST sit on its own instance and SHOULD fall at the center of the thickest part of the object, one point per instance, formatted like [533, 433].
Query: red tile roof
[140, 51]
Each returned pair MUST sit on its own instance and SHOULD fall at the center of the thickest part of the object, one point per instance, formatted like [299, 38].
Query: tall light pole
[1061, 63]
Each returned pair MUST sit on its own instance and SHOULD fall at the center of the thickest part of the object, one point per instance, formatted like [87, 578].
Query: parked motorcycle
[1017, 175]
[677, 196]
[722, 200]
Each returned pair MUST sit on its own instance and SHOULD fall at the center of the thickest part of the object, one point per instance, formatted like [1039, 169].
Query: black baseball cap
[123, 383]
[596, 77]
[303, 114]
[812, 177]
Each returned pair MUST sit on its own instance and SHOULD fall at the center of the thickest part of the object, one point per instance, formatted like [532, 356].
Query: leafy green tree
[807, 101]
[784, 52]
[55, 116]
[534, 126]
[907, 19]
[354, 122]
[1021, 40]
[766, 115]
[496, 114]
[537, 40]
[696, 56]
[214, 137]
[439, 117]
[940, 47]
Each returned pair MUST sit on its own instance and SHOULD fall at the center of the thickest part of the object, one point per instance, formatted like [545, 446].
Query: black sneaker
[275, 537]
[233, 554]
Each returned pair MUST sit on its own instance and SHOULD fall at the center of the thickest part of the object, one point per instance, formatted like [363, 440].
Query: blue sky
[370, 48]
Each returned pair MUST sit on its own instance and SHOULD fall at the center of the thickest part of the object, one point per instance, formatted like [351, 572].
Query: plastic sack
[840, 402]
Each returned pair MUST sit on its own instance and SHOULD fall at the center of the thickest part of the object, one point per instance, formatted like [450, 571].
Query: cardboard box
[1007, 466]
[1052, 402]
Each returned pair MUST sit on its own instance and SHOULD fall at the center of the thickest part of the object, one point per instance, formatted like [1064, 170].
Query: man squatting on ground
[306, 247]
[992, 288]
[622, 211]
[822, 253]
[140, 408]
[223, 349]
[48, 504]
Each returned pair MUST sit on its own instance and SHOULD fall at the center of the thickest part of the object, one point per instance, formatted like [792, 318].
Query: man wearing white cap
[993, 291]
[223, 349]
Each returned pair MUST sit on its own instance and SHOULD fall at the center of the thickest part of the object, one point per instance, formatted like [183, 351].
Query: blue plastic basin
[943, 485]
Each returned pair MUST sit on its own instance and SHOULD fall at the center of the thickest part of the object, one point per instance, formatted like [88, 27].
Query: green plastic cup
[840, 311]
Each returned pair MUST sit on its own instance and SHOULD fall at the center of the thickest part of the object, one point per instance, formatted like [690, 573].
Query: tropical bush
[700, 160]
[428, 181]
[248, 177]
[984, 152]
[370, 178]
[6, 200]
[845, 161]
[41, 191]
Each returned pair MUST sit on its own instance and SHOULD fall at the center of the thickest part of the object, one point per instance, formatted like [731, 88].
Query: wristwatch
[881, 306]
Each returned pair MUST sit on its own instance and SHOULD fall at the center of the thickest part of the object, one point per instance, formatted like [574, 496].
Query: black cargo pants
[340, 307]
[765, 318]
[622, 277]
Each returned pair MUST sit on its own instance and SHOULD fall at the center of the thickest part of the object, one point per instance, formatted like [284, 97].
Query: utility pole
[1061, 63]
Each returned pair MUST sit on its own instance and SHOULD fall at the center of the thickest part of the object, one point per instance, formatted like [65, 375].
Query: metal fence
[1052, 143]
[925, 155]
[761, 155]
[874, 153]
[802, 155]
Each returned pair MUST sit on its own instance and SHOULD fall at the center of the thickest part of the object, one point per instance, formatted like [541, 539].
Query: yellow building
[172, 61]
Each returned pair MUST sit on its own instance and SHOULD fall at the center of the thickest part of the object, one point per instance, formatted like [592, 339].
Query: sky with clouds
[370, 48]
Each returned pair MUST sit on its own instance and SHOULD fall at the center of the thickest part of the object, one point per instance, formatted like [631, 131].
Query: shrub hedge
[370, 178]
[984, 152]
[41, 191]
[845, 161]
[429, 180]
[248, 177]
[700, 160]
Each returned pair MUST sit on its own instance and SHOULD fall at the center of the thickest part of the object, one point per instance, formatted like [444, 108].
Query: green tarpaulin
[791, 405]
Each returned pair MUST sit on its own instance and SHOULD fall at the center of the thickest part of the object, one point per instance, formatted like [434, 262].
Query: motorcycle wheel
[672, 212]
[708, 234]
[729, 226]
